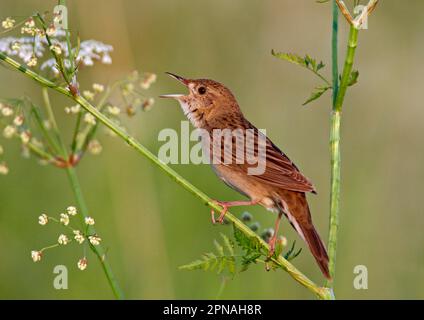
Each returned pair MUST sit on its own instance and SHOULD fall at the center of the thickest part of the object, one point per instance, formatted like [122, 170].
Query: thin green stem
[98, 250]
[75, 135]
[73, 180]
[52, 144]
[334, 51]
[321, 292]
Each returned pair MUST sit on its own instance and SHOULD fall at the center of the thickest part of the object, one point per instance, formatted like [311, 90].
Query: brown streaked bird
[281, 188]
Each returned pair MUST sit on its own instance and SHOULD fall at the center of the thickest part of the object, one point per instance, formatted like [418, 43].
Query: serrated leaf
[319, 91]
[219, 248]
[216, 262]
[307, 62]
[245, 242]
[290, 255]
[290, 57]
[228, 244]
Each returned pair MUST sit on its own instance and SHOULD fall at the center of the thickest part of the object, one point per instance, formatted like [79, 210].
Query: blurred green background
[151, 226]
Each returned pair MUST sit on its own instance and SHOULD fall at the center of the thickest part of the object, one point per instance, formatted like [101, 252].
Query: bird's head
[206, 100]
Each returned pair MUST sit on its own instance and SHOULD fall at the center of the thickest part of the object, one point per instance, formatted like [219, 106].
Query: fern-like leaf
[319, 91]
[223, 259]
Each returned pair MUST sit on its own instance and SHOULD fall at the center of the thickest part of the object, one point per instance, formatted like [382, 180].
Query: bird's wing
[279, 171]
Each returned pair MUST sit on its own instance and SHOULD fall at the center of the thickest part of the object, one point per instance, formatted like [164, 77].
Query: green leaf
[245, 242]
[216, 262]
[290, 255]
[290, 57]
[228, 243]
[320, 66]
[319, 91]
[307, 62]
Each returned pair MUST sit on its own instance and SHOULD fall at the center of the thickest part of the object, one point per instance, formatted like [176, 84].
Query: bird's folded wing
[280, 171]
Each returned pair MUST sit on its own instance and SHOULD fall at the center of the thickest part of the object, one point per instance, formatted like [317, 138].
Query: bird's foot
[224, 210]
[271, 244]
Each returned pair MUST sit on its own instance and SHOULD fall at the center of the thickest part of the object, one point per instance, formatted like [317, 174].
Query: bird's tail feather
[300, 219]
[317, 248]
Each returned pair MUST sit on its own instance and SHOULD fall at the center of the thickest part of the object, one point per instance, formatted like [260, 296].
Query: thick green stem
[335, 147]
[321, 292]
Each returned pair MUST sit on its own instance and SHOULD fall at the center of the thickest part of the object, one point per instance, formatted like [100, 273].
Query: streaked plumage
[281, 188]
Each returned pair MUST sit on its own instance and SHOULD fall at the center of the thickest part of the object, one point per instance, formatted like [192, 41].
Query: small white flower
[36, 255]
[16, 46]
[78, 236]
[43, 219]
[98, 87]
[71, 210]
[4, 170]
[8, 23]
[149, 78]
[106, 59]
[56, 48]
[89, 221]
[283, 241]
[63, 240]
[32, 62]
[6, 111]
[25, 137]
[51, 30]
[147, 105]
[113, 110]
[94, 147]
[82, 264]
[30, 23]
[88, 95]
[75, 109]
[94, 240]
[89, 118]
[9, 131]
[64, 219]
[18, 121]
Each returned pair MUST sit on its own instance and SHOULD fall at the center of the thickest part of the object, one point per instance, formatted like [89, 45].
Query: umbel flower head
[64, 220]
[32, 48]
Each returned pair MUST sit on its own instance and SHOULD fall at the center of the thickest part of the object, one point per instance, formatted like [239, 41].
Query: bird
[280, 188]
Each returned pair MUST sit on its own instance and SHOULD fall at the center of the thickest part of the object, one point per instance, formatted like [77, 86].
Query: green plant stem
[335, 144]
[321, 292]
[334, 51]
[98, 250]
[75, 185]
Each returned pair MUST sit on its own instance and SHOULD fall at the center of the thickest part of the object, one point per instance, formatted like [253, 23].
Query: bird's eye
[201, 90]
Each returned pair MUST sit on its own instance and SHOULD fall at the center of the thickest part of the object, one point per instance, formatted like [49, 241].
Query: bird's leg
[273, 239]
[228, 204]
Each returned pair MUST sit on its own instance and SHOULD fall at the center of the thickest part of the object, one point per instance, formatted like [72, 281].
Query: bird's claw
[222, 214]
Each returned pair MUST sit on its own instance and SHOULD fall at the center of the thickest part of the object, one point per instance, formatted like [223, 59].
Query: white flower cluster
[30, 49]
[63, 239]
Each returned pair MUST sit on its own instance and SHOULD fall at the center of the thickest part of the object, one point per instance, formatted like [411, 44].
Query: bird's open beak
[180, 79]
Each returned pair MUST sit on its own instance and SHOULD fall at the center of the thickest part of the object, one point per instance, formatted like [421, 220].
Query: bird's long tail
[300, 219]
